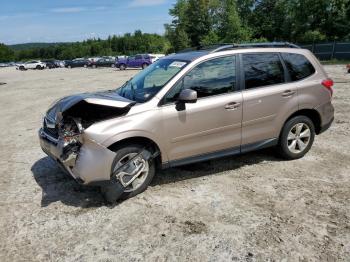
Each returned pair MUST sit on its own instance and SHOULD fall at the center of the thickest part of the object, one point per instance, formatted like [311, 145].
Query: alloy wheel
[137, 167]
[298, 138]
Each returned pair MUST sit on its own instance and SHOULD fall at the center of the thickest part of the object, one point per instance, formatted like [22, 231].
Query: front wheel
[296, 138]
[138, 173]
[144, 66]
[122, 67]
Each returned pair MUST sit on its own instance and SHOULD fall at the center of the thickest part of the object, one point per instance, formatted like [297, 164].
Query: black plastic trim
[259, 145]
[218, 154]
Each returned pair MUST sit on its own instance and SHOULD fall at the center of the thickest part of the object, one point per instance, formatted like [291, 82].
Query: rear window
[298, 66]
[262, 69]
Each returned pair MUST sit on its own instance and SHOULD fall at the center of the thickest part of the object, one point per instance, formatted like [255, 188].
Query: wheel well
[143, 141]
[313, 115]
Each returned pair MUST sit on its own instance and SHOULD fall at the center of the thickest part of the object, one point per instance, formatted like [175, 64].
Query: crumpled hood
[106, 99]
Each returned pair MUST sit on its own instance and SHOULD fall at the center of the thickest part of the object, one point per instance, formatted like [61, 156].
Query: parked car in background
[155, 57]
[34, 64]
[79, 62]
[137, 61]
[102, 62]
[94, 59]
[49, 64]
[59, 63]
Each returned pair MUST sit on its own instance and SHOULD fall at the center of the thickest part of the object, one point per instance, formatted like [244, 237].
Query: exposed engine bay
[64, 126]
[65, 139]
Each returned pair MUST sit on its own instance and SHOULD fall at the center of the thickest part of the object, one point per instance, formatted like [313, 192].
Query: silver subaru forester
[190, 107]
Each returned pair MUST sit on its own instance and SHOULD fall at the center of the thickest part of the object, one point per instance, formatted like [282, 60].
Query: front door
[211, 124]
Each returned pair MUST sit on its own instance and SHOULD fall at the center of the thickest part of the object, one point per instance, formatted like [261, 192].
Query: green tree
[176, 31]
[230, 28]
[6, 54]
[198, 22]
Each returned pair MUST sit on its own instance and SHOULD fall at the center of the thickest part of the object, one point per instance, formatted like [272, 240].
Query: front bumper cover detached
[91, 166]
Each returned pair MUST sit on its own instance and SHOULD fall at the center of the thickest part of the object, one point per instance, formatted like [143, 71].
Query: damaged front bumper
[91, 165]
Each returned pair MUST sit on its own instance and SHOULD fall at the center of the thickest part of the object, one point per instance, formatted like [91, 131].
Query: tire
[38, 67]
[123, 154]
[69, 67]
[122, 67]
[349, 71]
[144, 66]
[296, 138]
[22, 68]
[113, 65]
[94, 66]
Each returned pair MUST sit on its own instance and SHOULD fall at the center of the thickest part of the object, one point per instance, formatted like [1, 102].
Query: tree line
[206, 22]
[203, 22]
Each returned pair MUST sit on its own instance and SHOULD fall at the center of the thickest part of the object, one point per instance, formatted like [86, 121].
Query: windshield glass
[146, 84]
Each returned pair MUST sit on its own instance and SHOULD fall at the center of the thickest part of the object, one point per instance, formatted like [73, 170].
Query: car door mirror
[187, 96]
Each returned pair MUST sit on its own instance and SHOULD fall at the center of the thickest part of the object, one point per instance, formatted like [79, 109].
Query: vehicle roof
[187, 56]
[195, 53]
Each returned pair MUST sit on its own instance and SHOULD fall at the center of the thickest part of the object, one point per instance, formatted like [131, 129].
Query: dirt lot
[253, 207]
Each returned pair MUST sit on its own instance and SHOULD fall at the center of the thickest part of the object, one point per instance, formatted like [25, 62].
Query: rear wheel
[38, 67]
[297, 137]
[138, 174]
[144, 66]
[122, 67]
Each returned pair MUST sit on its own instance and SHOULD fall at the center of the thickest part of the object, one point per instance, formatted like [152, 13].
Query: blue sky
[23, 21]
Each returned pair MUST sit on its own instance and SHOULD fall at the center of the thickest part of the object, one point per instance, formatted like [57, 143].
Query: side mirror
[187, 96]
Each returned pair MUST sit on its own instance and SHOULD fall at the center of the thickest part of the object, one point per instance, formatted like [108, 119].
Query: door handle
[232, 106]
[288, 93]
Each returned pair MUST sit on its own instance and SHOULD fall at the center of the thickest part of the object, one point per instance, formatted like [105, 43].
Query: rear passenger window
[262, 69]
[298, 66]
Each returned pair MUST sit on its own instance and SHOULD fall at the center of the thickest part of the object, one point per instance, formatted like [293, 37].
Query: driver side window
[212, 77]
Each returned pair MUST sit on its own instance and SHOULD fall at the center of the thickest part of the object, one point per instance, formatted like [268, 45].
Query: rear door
[131, 61]
[268, 96]
[138, 61]
[213, 123]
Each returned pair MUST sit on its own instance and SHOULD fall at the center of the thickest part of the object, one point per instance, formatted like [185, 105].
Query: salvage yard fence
[329, 51]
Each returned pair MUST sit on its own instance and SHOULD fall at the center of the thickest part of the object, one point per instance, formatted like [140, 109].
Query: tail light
[328, 83]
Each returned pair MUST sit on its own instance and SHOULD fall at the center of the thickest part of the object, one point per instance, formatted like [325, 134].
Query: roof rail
[225, 47]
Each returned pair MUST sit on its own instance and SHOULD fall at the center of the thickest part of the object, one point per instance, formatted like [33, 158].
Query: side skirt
[223, 153]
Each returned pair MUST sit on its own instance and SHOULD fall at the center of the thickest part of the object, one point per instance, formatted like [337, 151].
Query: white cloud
[140, 3]
[68, 10]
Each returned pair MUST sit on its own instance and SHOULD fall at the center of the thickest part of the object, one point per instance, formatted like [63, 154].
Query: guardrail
[329, 51]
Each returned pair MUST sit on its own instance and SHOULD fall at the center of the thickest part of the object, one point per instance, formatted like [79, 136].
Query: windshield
[146, 84]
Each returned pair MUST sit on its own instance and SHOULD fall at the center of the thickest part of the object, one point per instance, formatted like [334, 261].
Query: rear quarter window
[299, 66]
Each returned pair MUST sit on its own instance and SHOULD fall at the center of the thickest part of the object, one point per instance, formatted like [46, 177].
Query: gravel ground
[253, 207]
